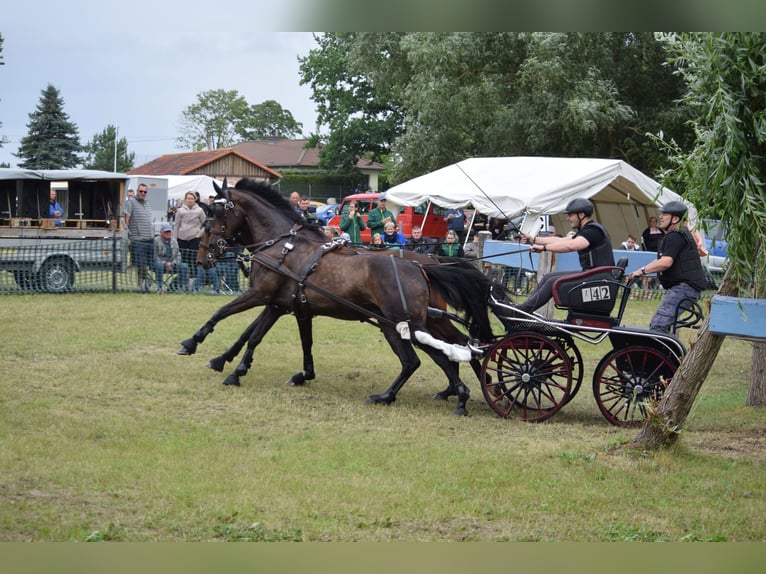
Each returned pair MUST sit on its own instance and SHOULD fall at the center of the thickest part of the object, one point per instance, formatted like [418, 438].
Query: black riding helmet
[578, 205]
[677, 208]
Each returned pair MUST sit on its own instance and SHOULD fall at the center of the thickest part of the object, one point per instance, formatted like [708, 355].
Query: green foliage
[100, 152]
[221, 118]
[430, 99]
[357, 81]
[211, 122]
[52, 141]
[268, 120]
[724, 173]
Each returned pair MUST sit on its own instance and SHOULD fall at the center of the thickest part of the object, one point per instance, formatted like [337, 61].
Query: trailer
[45, 253]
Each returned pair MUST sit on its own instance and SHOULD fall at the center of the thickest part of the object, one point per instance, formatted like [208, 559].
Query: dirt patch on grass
[747, 444]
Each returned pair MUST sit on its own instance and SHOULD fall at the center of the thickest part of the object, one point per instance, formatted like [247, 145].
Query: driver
[678, 266]
[591, 241]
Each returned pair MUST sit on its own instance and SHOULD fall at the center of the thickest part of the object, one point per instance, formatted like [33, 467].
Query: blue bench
[738, 317]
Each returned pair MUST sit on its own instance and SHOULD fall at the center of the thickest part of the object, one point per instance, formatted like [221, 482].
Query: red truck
[429, 216]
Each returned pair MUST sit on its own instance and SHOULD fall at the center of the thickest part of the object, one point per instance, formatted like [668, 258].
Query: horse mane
[270, 195]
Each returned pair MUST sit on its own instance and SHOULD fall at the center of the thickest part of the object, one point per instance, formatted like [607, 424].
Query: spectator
[678, 266]
[377, 242]
[352, 223]
[167, 258]
[650, 238]
[305, 211]
[455, 219]
[207, 276]
[227, 268]
[54, 209]
[392, 238]
[138, 220]
[471, 249]
[591, 241]
[630, 244]
[420, 244]
[295, 200]
[451, 246]
[189, 227]
[379, 216]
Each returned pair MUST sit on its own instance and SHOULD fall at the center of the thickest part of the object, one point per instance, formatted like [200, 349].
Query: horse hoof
[231, 380]
[188, 347]
[216, 364]
[296, 380]
[442, 395]
[461, 412]
[379, 400]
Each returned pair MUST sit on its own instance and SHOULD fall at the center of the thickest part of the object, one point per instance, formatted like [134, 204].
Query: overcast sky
[139, 64]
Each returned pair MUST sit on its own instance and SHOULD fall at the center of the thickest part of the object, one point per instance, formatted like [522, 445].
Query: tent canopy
[178, 185]
[506, 187]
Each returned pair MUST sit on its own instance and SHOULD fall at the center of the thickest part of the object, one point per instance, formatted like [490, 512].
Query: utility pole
[115, 149]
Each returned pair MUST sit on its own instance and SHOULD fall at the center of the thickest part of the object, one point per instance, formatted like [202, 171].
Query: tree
[268, 120]
[724, 174]
[357, 81]
[212, 121]
[100, 152]
[52, 141]
[429, 99]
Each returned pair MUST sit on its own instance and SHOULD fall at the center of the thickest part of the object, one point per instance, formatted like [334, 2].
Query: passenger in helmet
[591, 240]
[678, 266]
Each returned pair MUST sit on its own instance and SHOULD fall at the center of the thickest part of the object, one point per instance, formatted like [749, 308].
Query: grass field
[107, 434]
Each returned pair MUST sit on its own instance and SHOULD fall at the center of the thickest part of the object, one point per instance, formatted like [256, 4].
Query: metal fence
[105, 265]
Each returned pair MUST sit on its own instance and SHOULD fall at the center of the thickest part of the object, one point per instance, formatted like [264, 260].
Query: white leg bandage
[457, 353]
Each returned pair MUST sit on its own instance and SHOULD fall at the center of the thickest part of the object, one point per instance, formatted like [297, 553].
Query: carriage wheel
[526, 376]
[575, 360]
[627, 380]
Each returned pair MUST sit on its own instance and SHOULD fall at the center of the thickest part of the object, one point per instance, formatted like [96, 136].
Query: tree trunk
[663, 425]
[756, 396]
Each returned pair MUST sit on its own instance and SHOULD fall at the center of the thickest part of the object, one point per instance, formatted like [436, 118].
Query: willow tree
[724, 174]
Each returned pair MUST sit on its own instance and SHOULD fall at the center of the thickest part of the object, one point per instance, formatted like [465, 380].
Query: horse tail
[466, 289]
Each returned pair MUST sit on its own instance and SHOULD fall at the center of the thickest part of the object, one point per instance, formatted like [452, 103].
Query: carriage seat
[590, 294]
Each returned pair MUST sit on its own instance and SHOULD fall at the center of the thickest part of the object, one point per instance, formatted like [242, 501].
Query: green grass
[108, 435]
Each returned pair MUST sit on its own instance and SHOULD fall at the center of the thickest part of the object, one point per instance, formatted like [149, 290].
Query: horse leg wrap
[455, 353]
[404, 330]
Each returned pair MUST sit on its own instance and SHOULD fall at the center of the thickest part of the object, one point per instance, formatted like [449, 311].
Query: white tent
[178, 185]
[507, 187]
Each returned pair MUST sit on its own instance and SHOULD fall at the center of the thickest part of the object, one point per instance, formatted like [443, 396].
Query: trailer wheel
[627, 380]
[57, 276]
[526, 376]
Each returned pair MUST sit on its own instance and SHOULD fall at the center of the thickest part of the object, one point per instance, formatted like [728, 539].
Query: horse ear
[225, 190]
[216, 187]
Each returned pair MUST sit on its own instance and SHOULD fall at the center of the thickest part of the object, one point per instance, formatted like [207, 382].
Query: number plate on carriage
[597, 293]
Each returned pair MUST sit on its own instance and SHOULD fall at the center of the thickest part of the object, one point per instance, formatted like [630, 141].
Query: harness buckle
[287, 248]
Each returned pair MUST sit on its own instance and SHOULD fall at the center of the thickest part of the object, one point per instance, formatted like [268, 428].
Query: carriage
[529, 373]
[536, 368]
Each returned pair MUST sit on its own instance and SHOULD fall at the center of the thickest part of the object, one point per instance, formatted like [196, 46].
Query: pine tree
[100, 152]
[52, 141]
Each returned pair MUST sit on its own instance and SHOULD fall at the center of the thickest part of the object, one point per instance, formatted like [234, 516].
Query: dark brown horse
[295, 270]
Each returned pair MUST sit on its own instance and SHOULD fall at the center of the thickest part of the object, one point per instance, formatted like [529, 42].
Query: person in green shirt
[378, 217]
[352, 223]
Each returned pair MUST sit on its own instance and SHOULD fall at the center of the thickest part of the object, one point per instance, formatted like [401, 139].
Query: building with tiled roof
[219, 163]
[288, 154]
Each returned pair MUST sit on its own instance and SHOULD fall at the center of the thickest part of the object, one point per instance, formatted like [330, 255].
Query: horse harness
[300, 300]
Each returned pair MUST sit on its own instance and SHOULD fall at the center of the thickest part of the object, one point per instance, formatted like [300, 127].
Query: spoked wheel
[575, 360]
[627, 379]
[526, 376]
